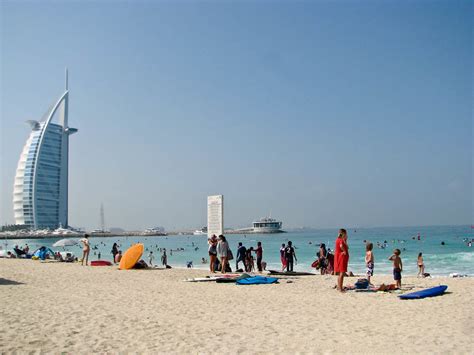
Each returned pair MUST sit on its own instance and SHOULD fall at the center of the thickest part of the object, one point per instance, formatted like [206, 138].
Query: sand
[58, 307]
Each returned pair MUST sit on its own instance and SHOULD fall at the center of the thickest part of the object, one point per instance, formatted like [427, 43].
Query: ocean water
[453, 257]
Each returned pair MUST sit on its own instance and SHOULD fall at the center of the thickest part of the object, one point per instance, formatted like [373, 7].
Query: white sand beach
[58, 307]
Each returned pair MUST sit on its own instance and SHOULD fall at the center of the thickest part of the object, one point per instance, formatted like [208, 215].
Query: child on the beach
[369, 260]
[118, 257]
[397, 267]
[282, 257]
[151, 257]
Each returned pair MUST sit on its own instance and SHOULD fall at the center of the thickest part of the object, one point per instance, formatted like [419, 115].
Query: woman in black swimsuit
[212, 252]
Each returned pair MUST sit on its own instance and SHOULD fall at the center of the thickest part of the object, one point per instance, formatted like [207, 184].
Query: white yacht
[202, 231]
[63, 231]
[267, 225]
[155, 231]
[100, 231]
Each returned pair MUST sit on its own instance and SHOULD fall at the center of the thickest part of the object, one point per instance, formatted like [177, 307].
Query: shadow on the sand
[9, 282]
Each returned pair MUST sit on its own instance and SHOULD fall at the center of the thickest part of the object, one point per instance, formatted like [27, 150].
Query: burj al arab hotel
[40, 193]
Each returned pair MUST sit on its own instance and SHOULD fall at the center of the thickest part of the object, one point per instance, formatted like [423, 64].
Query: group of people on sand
[164, 257]
[245, 256]
[19, 252]
[86, 248]
[117, 253]
[41, 253]
[220, 254]
[324, 261]
[341, 261]
[287, 256]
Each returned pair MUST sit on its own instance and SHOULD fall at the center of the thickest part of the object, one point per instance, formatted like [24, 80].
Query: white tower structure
[40, 192]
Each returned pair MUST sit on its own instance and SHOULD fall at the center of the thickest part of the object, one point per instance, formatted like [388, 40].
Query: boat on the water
[99, 232]
[267, 225]
[202, 231]
[155, 231]
[63, 231]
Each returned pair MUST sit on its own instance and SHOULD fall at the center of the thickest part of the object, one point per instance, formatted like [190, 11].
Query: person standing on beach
[118, 257]
[241, 253]
[259, 252]
[282, 257]
[290, 256]
[114, 252]
[249, 265]
[223, 252]
[397, 267]
[85, 249]
[212, 252]
[164, 258]
[323, 259]
[151, 257]
[369, 260]
[421, 265]
[341, 258]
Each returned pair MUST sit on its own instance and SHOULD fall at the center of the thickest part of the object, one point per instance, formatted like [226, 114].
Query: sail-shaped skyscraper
[40, 193]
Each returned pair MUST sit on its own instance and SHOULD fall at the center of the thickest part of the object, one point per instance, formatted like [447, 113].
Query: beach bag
[230, 256]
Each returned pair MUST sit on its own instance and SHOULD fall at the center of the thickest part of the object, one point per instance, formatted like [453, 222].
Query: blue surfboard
[429, 292]
[257, 280]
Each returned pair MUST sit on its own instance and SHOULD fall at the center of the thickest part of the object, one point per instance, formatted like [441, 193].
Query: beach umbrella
[65, 243]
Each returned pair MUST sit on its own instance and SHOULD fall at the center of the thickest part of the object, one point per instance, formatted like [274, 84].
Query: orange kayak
[131, 256]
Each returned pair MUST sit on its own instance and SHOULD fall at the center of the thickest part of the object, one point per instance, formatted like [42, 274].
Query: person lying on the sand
[384, 287]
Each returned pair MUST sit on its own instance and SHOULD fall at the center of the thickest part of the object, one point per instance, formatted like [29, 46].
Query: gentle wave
[454, 257]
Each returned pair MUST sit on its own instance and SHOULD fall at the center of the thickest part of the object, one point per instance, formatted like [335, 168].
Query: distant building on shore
[40, 192]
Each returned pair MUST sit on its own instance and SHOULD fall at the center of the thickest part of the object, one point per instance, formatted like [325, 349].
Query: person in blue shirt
[241, 253]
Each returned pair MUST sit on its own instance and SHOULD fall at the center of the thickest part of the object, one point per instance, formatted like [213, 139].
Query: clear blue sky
[345, 113]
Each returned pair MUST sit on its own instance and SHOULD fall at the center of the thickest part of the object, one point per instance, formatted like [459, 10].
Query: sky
[322, 114]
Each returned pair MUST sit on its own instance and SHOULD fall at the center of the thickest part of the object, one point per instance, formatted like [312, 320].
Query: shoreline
[440, 260]
[202, 268]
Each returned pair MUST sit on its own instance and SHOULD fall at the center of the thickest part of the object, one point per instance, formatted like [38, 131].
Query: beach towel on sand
[257, 280]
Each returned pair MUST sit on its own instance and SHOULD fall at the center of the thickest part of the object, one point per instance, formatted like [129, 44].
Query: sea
[445, 248]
